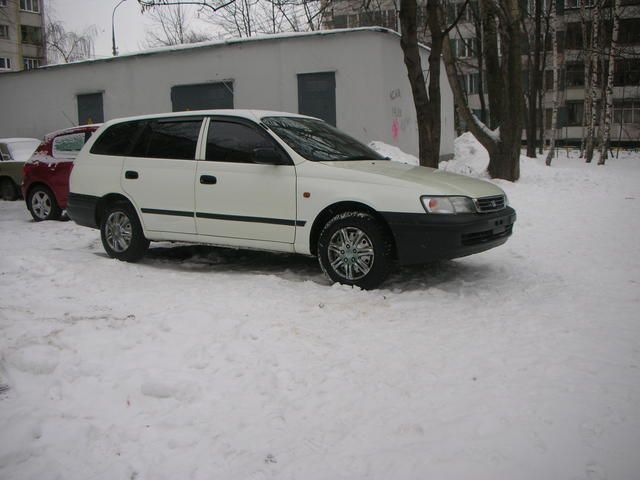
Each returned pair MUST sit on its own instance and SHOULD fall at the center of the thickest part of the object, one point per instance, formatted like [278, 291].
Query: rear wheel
[8, 189]
[354, 249]
[121, 233]
[42, 204]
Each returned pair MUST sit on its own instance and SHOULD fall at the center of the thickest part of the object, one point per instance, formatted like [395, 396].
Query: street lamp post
[113, 28]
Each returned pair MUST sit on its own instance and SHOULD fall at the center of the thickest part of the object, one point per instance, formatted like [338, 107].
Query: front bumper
[424, 237]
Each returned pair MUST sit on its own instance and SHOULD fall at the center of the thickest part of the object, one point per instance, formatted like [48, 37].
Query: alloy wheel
[41, 204]
[351, 253]
[118, 231]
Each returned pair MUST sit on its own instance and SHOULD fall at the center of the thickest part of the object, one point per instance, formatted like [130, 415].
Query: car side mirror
[268, 156]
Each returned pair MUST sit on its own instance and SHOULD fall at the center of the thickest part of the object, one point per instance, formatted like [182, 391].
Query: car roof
[254, 115]
[78, 129]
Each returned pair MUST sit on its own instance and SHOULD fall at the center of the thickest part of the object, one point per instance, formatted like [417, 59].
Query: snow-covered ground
[519, 363]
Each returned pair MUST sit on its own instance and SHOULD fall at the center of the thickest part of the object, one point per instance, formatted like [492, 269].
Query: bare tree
[65, 46]
[501, 23]
[172, 26]
[246, 18]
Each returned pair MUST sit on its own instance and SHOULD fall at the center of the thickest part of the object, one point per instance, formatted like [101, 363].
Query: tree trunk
[605, 131]
[534, 82]
[427, 104]
[503, 143]
[593, 94]
[556, 86]
[492, 61]
[586, 109]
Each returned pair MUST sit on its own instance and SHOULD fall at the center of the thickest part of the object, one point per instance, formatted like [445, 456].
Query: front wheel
[42, 204]
[354, 249]
[121, 233]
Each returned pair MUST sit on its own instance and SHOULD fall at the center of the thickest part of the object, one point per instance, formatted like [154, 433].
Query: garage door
[317, 95]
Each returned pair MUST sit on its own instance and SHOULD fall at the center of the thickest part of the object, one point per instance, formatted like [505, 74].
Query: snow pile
[470, 157]
[204, 363]
[394, 153]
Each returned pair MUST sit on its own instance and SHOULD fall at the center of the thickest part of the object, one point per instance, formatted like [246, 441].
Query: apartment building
[21, 35]
[626, 92]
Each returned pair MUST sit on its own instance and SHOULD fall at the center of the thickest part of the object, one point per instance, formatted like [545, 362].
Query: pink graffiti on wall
[395, 129]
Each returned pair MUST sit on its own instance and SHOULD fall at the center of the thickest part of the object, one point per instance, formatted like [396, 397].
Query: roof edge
[217, 44]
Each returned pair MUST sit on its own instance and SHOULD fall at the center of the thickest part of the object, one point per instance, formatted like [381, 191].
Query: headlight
[448, 205]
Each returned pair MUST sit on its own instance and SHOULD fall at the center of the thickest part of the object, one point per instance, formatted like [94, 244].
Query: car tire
[42, 204]
[354, 249]
[8, 189]
[121, 233]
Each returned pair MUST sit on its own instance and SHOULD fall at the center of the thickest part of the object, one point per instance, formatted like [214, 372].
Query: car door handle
[130, 175]
[208, 180]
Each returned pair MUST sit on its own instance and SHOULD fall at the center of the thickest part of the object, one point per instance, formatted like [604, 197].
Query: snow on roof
[230, 41]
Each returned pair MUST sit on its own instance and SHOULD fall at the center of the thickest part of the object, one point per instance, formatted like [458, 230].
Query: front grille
[485, 236]
[490, 204]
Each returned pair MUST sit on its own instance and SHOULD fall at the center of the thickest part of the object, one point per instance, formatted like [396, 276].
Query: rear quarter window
[118, 139]
[174, 139]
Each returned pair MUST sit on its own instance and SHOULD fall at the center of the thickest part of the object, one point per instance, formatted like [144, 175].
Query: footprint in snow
[180, 390]
[34, 359]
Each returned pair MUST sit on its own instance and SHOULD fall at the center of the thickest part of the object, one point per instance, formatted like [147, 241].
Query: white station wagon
[281, 182]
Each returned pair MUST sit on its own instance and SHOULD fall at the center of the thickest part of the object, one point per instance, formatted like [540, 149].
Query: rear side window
[68, 146]
[118, 139]
[174, 139]
[233, 142]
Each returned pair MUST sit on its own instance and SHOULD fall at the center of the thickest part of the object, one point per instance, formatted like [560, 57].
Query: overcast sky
[131, 25]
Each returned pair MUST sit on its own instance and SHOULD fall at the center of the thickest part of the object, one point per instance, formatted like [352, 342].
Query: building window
[3, 3]
[574, 113]
[464, 47]
[626, 72]
[4, 31]
[30, 63]
[32, 35]
[629, 31]
[30, 6]
[575, 74]
[5, 63]
[471, 83]
[627, 112]
[576, 3]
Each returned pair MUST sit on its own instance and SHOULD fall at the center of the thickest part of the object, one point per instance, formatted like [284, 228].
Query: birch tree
[556, 86]
[593, 92]
[586, 41]
[605, 131]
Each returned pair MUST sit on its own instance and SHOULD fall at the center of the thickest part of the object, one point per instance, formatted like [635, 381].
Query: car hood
[430, 180]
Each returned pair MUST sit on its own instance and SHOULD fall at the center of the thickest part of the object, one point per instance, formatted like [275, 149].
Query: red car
[45, 184]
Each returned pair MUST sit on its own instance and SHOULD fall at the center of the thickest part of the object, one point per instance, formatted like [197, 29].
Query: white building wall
[368, 67]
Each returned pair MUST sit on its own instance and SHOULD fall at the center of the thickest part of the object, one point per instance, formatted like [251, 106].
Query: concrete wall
[373, 97]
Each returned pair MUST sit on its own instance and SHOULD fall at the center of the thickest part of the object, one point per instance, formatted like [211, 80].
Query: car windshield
[318, 141]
